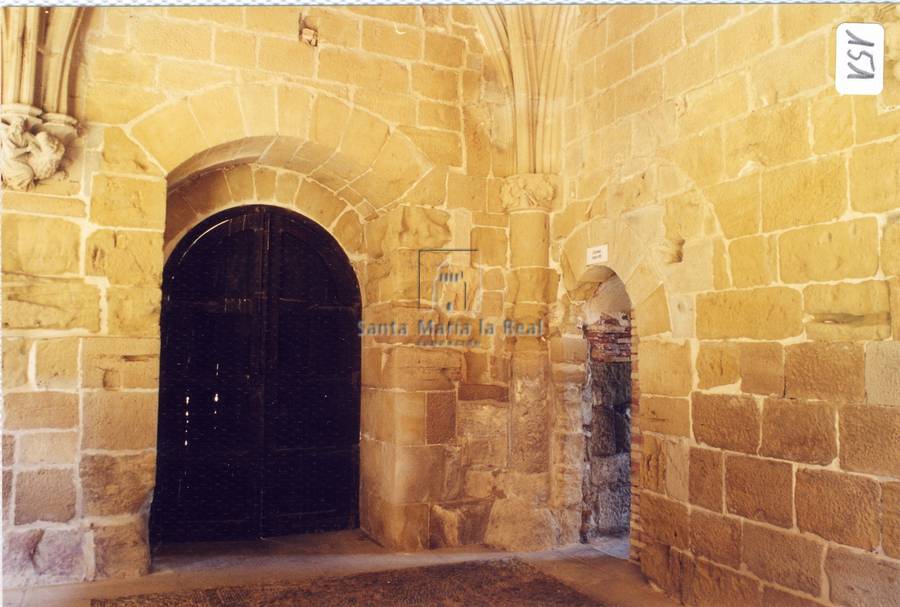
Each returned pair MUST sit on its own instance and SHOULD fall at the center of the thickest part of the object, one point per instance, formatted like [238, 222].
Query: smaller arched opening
[259, 412]
[607, 413]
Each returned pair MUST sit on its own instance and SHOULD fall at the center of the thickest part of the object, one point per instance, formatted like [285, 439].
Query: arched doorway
[608, 418]
[259, 381]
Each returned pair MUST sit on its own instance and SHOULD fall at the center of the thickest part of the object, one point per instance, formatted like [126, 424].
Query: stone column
[524, 520]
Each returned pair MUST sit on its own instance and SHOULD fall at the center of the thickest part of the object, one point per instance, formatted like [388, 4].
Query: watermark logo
[450, 308]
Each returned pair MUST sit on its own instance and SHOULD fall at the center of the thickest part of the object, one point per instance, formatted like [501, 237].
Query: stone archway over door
[259, 395]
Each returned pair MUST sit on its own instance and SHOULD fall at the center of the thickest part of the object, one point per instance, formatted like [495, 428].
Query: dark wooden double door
[259, 385]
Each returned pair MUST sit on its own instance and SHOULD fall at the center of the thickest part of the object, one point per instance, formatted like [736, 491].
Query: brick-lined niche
[606, 491]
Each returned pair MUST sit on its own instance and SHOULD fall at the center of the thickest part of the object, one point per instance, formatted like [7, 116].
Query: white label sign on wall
[598, 254]
[859, 59]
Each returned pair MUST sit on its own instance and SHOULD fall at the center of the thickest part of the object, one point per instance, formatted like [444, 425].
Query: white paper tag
[859, 59]
[598, 254]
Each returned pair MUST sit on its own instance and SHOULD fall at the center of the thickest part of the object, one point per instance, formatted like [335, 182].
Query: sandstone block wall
[755, 234]
[381, 133]
[750, 212]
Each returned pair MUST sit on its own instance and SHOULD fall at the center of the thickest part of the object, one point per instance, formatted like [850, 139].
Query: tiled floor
[594, 569]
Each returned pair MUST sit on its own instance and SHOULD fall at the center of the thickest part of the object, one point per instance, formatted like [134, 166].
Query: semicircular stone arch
[633, 280]
[194, 199]
[348, 149]
[345, 168]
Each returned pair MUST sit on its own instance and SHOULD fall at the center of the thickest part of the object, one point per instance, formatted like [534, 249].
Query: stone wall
[753, 230]
[751, 213]
[381, 133]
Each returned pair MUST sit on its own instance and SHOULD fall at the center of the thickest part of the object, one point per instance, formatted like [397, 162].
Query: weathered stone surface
[873, 189]
[825, 371]
[440, 419]
[27, 410]
[870, 439]
[762, 368]
[119, 420]
[716, 537]
[45, 495]
[822, 180]
[116, 363]
[759, 489]
[30, 202]
[848, 312]
[861, 580]
[726, 421]
[15, 362]
[706, 487]
[890, 249]
[51, 304]
[765, 313]
[128, 202]
[882, 376]
[517, 524]
[665, 520]
[839, 507]
[829, 252]
[799, 431]
[665, 368]
[736, 204]
[532, 285]
[121, 155]
[18, 551]
[753, 261]
[529, 239]
[783, 557]
[714, 586]
[717, 364]
[890, 519]
[40, 245]
[666, 415]
[9, 451]
[416, 368]
[56, 363]
[669, 569]
[121, 550]
[458, 524]
[665, 567]
[41, 448]
[482, 392]
[126, 257]
[117, 485]
[652, 464]
[775, 597]
[133, 311]
[60, 555]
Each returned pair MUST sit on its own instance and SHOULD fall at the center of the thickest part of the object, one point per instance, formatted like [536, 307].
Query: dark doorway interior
[606, 488]
[259, 385]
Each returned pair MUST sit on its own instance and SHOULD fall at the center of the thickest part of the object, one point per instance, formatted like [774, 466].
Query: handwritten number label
[859, 59]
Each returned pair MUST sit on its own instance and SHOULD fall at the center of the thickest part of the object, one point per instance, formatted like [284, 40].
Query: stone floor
[597, 570]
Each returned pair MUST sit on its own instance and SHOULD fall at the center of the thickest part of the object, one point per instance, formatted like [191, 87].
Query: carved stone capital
[528, 191]
[28, 152]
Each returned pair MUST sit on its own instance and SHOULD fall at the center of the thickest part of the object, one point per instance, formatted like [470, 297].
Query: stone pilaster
[524, 519]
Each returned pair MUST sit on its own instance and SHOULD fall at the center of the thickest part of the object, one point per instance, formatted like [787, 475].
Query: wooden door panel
[259, 398]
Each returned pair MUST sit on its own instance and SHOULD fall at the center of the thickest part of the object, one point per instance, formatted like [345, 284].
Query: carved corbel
[528, 191]
[35, 126]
